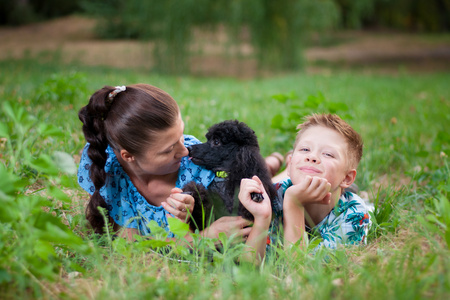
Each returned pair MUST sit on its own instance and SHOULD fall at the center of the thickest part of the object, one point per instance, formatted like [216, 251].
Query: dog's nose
[189, 149]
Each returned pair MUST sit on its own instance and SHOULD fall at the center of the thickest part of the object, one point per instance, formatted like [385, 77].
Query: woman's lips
[310, 170]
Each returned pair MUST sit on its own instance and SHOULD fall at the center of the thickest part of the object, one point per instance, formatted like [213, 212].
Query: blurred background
[230, 38]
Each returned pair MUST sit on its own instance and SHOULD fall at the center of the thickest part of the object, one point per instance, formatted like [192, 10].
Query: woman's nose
[182, 151]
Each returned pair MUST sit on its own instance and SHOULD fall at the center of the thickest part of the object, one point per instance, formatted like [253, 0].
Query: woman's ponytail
[92, 116]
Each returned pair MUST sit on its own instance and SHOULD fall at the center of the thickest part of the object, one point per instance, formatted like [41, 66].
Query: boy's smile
[310, 170]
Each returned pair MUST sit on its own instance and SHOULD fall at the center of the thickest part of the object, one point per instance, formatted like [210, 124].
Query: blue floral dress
[348, 223]
[125, 204]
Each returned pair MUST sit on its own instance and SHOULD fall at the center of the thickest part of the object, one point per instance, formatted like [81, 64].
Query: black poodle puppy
[232, 152]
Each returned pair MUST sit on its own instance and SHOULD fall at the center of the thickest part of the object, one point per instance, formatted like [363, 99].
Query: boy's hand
[259, 210]
[310, 190]
[179, 204]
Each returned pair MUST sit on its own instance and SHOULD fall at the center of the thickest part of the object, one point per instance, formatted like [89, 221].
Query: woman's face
[164, 157]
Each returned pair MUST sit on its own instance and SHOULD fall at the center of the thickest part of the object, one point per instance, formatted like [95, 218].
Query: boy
[326, 154]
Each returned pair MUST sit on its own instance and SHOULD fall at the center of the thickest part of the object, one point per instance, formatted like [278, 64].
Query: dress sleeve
[84, 179]
[191, 172]
[118, 192]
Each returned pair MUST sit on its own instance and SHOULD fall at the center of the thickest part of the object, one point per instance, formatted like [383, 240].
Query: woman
[135, 163]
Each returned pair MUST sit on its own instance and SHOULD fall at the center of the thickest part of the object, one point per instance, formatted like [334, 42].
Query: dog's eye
[216, 142]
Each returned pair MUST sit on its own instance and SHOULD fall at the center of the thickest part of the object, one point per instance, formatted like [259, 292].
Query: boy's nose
[312, 158]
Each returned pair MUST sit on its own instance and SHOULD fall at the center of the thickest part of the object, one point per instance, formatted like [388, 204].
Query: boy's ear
[349, 179]
[288, 161]
[126, 156]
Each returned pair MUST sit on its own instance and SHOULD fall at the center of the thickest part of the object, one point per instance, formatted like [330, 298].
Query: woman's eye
[168, 151]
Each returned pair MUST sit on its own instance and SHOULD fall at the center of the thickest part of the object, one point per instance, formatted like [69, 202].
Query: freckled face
[165, 156]
[320, 152]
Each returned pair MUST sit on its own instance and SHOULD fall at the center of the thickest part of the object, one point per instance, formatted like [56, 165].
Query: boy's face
[321, 152]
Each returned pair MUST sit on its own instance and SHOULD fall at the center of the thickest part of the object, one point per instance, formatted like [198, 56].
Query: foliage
[62, 88]
[295, 110]
[412, 15]
[409, 15]
[34, 240]
[385, 217]
[276, 28]
[21, 134]
[14, 12]
[437, 220]
[354, 12]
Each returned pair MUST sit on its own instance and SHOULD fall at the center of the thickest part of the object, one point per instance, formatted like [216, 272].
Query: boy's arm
[262, 212]
[309, 190]
[257, 240]
[294, 221]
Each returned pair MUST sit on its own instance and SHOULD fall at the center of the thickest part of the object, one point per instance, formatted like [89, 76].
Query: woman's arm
[123, 232]
[228, 225]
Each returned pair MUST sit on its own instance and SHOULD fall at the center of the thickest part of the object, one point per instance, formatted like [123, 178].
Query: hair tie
[114, 93]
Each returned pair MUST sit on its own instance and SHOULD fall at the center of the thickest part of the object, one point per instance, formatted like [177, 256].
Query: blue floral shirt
[348, 223]
[125, 204]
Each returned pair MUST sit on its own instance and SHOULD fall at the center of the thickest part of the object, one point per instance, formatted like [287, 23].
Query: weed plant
[47, 251]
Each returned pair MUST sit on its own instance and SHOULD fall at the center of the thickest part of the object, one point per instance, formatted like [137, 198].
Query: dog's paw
[257, 197]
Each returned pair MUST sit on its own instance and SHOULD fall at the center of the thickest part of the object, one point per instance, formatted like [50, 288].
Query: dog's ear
[247, 156]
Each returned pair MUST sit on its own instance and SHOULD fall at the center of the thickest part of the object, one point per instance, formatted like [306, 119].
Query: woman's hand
[179, 204]
[229, 226]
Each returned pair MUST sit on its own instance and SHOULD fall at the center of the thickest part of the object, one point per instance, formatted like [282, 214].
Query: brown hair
[127, 121]
[354, 140]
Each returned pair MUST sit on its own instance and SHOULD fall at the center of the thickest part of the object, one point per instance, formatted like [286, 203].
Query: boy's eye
[328, 154]
[304, 149]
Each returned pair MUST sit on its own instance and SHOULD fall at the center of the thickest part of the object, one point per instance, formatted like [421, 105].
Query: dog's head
[225, 142]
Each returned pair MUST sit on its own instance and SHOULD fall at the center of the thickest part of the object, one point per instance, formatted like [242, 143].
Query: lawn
[47, 250]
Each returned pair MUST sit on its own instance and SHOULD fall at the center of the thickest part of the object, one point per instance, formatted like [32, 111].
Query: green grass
[403, 119]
